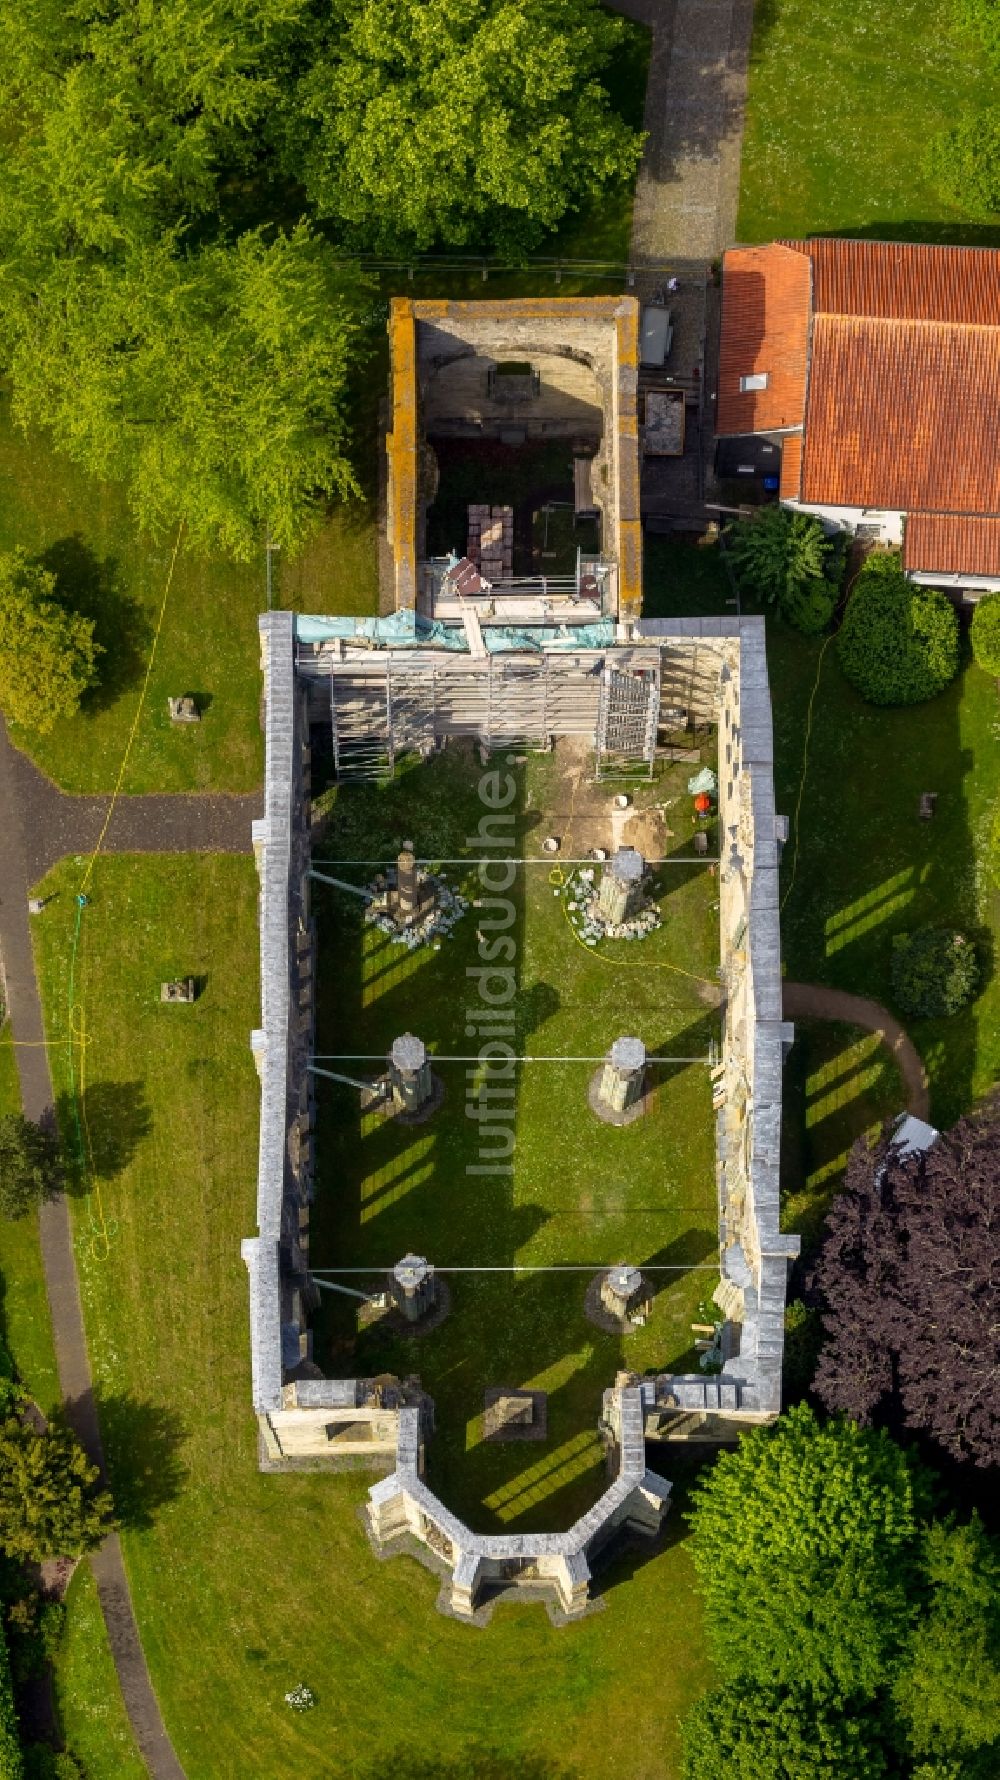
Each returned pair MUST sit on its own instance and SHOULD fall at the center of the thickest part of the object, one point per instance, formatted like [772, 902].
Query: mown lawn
[89, 1704]
[245, 1585]
[24, 1308]
[580, 1193]
[843, 100]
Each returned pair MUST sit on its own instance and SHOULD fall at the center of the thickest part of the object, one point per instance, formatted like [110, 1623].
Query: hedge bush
[963, 162]
[898, 644]
[11, 1764]
[789, 561]
[935, 971]
[985, 634]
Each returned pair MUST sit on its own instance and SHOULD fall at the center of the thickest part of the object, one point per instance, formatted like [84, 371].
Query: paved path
[688, 189]
[39, 825]
[811, 1001]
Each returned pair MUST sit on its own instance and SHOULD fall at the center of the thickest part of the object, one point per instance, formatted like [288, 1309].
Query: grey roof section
[278, 632]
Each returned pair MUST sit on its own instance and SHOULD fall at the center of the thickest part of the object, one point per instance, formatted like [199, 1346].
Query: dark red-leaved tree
[908, 1279]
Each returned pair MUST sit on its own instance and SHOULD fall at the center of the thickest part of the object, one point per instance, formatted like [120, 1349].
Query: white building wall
[847, 519]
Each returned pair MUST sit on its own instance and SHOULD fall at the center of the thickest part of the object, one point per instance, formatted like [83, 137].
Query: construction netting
[407, 630]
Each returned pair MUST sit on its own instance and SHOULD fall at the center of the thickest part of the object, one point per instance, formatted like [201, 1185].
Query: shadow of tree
[142, 1448]
[89, 584]
[104, 1127]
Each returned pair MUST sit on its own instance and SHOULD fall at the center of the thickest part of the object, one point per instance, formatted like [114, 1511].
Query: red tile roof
[891, 356]
[941, 544]
[765, 327]
[903, 415]
[901, 281]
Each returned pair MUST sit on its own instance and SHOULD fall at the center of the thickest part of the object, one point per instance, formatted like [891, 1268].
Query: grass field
[843, 100]
[580, 1192]
[89, 1703]
[245, 1584]
[861, 865]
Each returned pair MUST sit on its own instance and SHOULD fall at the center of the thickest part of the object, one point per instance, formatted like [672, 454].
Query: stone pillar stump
[621, 885]
[410, 1073]
[413, 1287]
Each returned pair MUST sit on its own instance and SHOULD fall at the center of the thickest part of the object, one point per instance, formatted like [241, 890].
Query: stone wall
[433, 347]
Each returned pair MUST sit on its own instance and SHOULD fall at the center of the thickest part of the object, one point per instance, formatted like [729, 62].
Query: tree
[48, 657]
[934, 971]
[213, 385]
[11, 1765]
[963, 162]
[907, 1280]
[898, 644]
[460, 122]
[948, 1690]
[984, 633]
[788, 560]
[804, 1541]
[29, 1165]
[50, 1505]
[743, 1731]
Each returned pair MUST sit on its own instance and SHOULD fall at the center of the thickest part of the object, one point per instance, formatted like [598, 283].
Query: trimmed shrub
[935, 971]
[898, 644]
[29, 1165]
[964, 163]
[789, 561]
[48, 656]
[985, 634]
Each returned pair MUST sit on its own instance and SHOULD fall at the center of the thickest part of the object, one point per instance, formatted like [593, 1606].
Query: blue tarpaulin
[404, 630]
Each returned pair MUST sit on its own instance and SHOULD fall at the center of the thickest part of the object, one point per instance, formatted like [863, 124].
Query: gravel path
[811, 1001]
[688, 189]
[39, 825]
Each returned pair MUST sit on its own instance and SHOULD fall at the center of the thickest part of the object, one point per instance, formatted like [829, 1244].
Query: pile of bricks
[491, 541]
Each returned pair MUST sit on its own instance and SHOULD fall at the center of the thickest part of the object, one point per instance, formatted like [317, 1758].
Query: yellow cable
[138, 713]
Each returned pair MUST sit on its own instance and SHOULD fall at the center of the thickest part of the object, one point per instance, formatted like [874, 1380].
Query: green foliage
[213, 386]
[788, 560]
[993, 849]
[803, 1340]
[985, 633]
[484, 122]
[804, 1541]
[34, 1631]
[49, 1503]
[964, 163]
[29, 1166]
[935, 971]
[48, 657]
[948, 1691]
[898, 643]
[743, 1731]
[43, 1763]
[11, 1765]
[981, 20]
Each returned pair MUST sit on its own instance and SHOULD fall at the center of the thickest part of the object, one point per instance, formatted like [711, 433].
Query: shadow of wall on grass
[91, 584]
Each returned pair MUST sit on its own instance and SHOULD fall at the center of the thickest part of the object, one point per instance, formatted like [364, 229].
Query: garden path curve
[813, 1001]
[38, 825]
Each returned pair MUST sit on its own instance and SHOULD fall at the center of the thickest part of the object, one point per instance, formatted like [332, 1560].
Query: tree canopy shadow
[142, 1447]
[102, 1129]
[88, 583]
[475, 1762]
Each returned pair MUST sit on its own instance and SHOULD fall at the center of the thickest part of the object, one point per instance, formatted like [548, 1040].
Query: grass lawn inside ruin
[245, 1585]
[579, 1192]
[843, 100]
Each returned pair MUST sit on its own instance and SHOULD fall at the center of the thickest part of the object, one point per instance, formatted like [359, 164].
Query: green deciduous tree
[458, 121]
[935, 971]
[981, 19]
[898, 643]
[948, 1689]
[744, 1731]
[48, 657]
[804, 1541]
[50, 1505]
[29, 1166]
[788, 560]
[985, 633]
[11, 1765]
[213, 386]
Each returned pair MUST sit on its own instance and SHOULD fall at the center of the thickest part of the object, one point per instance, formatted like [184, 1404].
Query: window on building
[754, 380]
